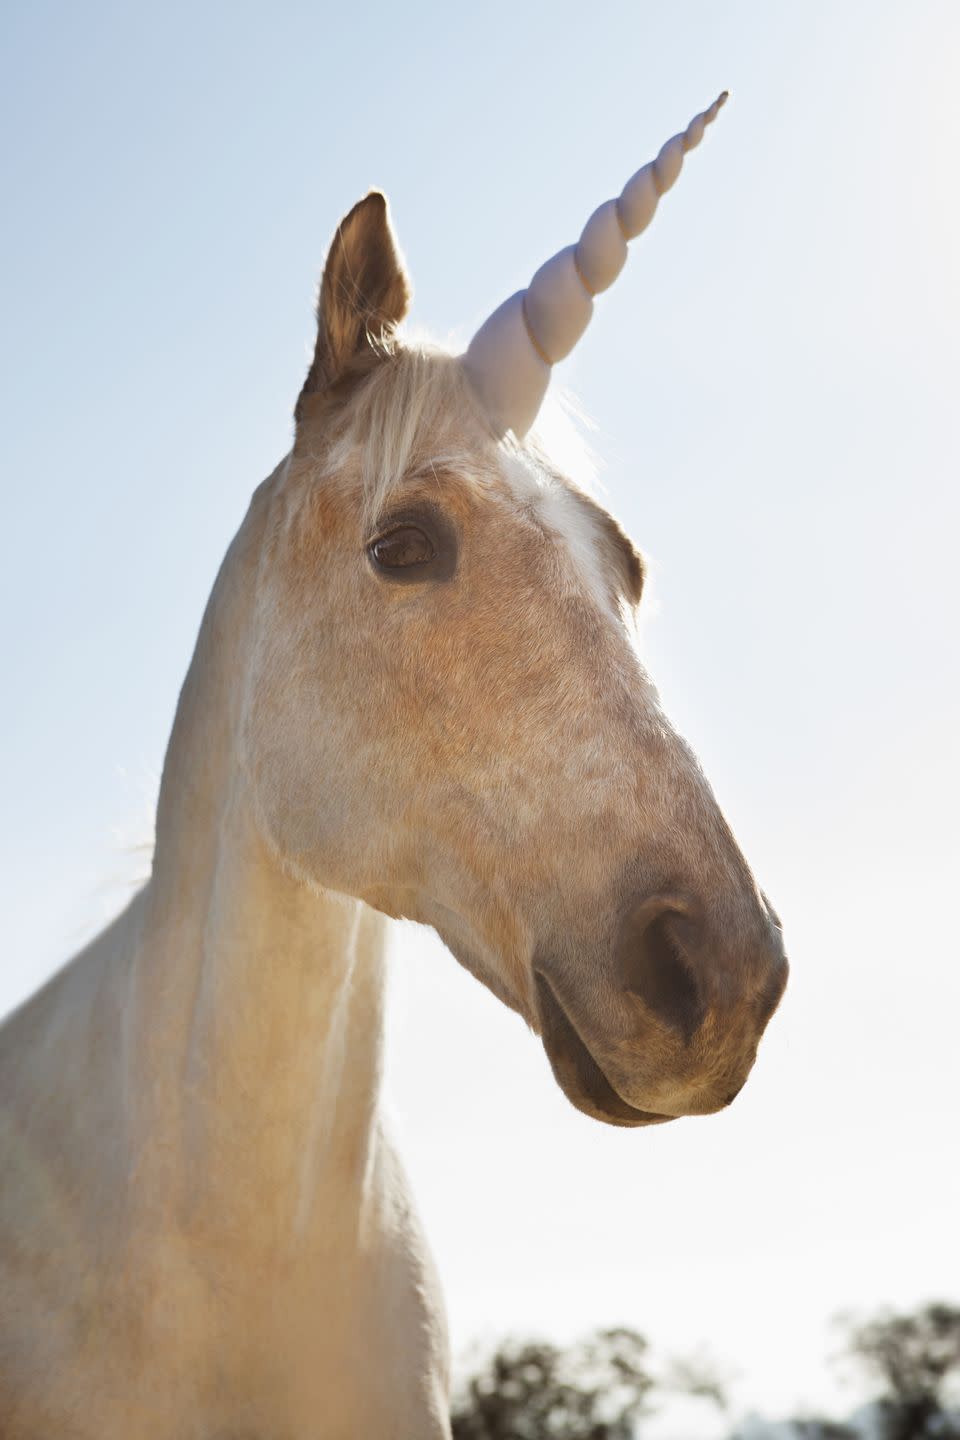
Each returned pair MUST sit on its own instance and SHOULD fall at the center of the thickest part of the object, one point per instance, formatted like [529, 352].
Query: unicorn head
[449, 716]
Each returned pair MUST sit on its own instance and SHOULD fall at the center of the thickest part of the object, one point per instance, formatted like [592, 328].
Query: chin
[578, 1074]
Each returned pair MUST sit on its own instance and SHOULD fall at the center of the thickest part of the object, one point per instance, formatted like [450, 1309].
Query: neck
[256, 1029]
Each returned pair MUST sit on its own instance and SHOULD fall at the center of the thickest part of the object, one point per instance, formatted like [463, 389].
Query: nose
[656, 940]
[666, 958]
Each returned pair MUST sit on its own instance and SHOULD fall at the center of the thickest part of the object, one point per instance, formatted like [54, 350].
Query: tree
[916, 1356]
[602, 1388]
[596, 1389]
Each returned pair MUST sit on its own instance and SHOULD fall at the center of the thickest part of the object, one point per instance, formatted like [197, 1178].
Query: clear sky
[775, 384]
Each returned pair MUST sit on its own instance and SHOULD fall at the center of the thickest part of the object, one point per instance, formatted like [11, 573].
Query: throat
[260, 1019]
[283, 1057]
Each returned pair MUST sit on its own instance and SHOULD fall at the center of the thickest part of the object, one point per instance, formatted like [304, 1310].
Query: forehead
[414, 426]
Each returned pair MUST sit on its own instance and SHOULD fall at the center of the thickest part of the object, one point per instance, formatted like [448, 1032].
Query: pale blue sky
[775, 382]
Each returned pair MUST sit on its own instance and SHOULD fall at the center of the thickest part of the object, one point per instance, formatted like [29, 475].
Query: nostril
[654, 966]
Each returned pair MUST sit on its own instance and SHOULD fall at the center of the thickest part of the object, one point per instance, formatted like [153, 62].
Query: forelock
[415, 413]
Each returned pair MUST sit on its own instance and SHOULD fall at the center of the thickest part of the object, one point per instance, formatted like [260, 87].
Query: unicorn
[416, 692]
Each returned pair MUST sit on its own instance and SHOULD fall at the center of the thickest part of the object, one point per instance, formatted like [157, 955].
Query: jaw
[484, 963]
[577, 1073]
[574, 1068]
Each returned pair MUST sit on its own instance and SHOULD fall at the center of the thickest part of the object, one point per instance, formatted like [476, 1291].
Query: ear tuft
[364, 294]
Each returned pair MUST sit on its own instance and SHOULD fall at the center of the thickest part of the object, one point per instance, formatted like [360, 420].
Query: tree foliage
[603, 1387]
[596, 1389]
[916, 1358]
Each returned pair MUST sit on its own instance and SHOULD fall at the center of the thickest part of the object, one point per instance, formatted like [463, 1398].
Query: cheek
[313, 737]
[324, 806]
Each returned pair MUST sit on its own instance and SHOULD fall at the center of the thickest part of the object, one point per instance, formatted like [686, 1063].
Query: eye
[416, 544]
[405, 546]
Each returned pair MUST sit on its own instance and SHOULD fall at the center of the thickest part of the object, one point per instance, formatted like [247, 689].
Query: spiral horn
[510, 357]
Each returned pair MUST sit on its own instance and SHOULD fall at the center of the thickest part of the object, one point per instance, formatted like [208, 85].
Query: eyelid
[422, 516]
[398, 522]
[393, 519]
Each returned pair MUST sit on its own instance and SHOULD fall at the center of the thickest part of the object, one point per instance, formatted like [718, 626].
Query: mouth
[577, 1073]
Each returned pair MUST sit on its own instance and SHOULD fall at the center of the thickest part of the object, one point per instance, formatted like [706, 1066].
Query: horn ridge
[510, 358]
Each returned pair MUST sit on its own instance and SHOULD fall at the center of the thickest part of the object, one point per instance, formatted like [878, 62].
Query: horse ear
[364, 294]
